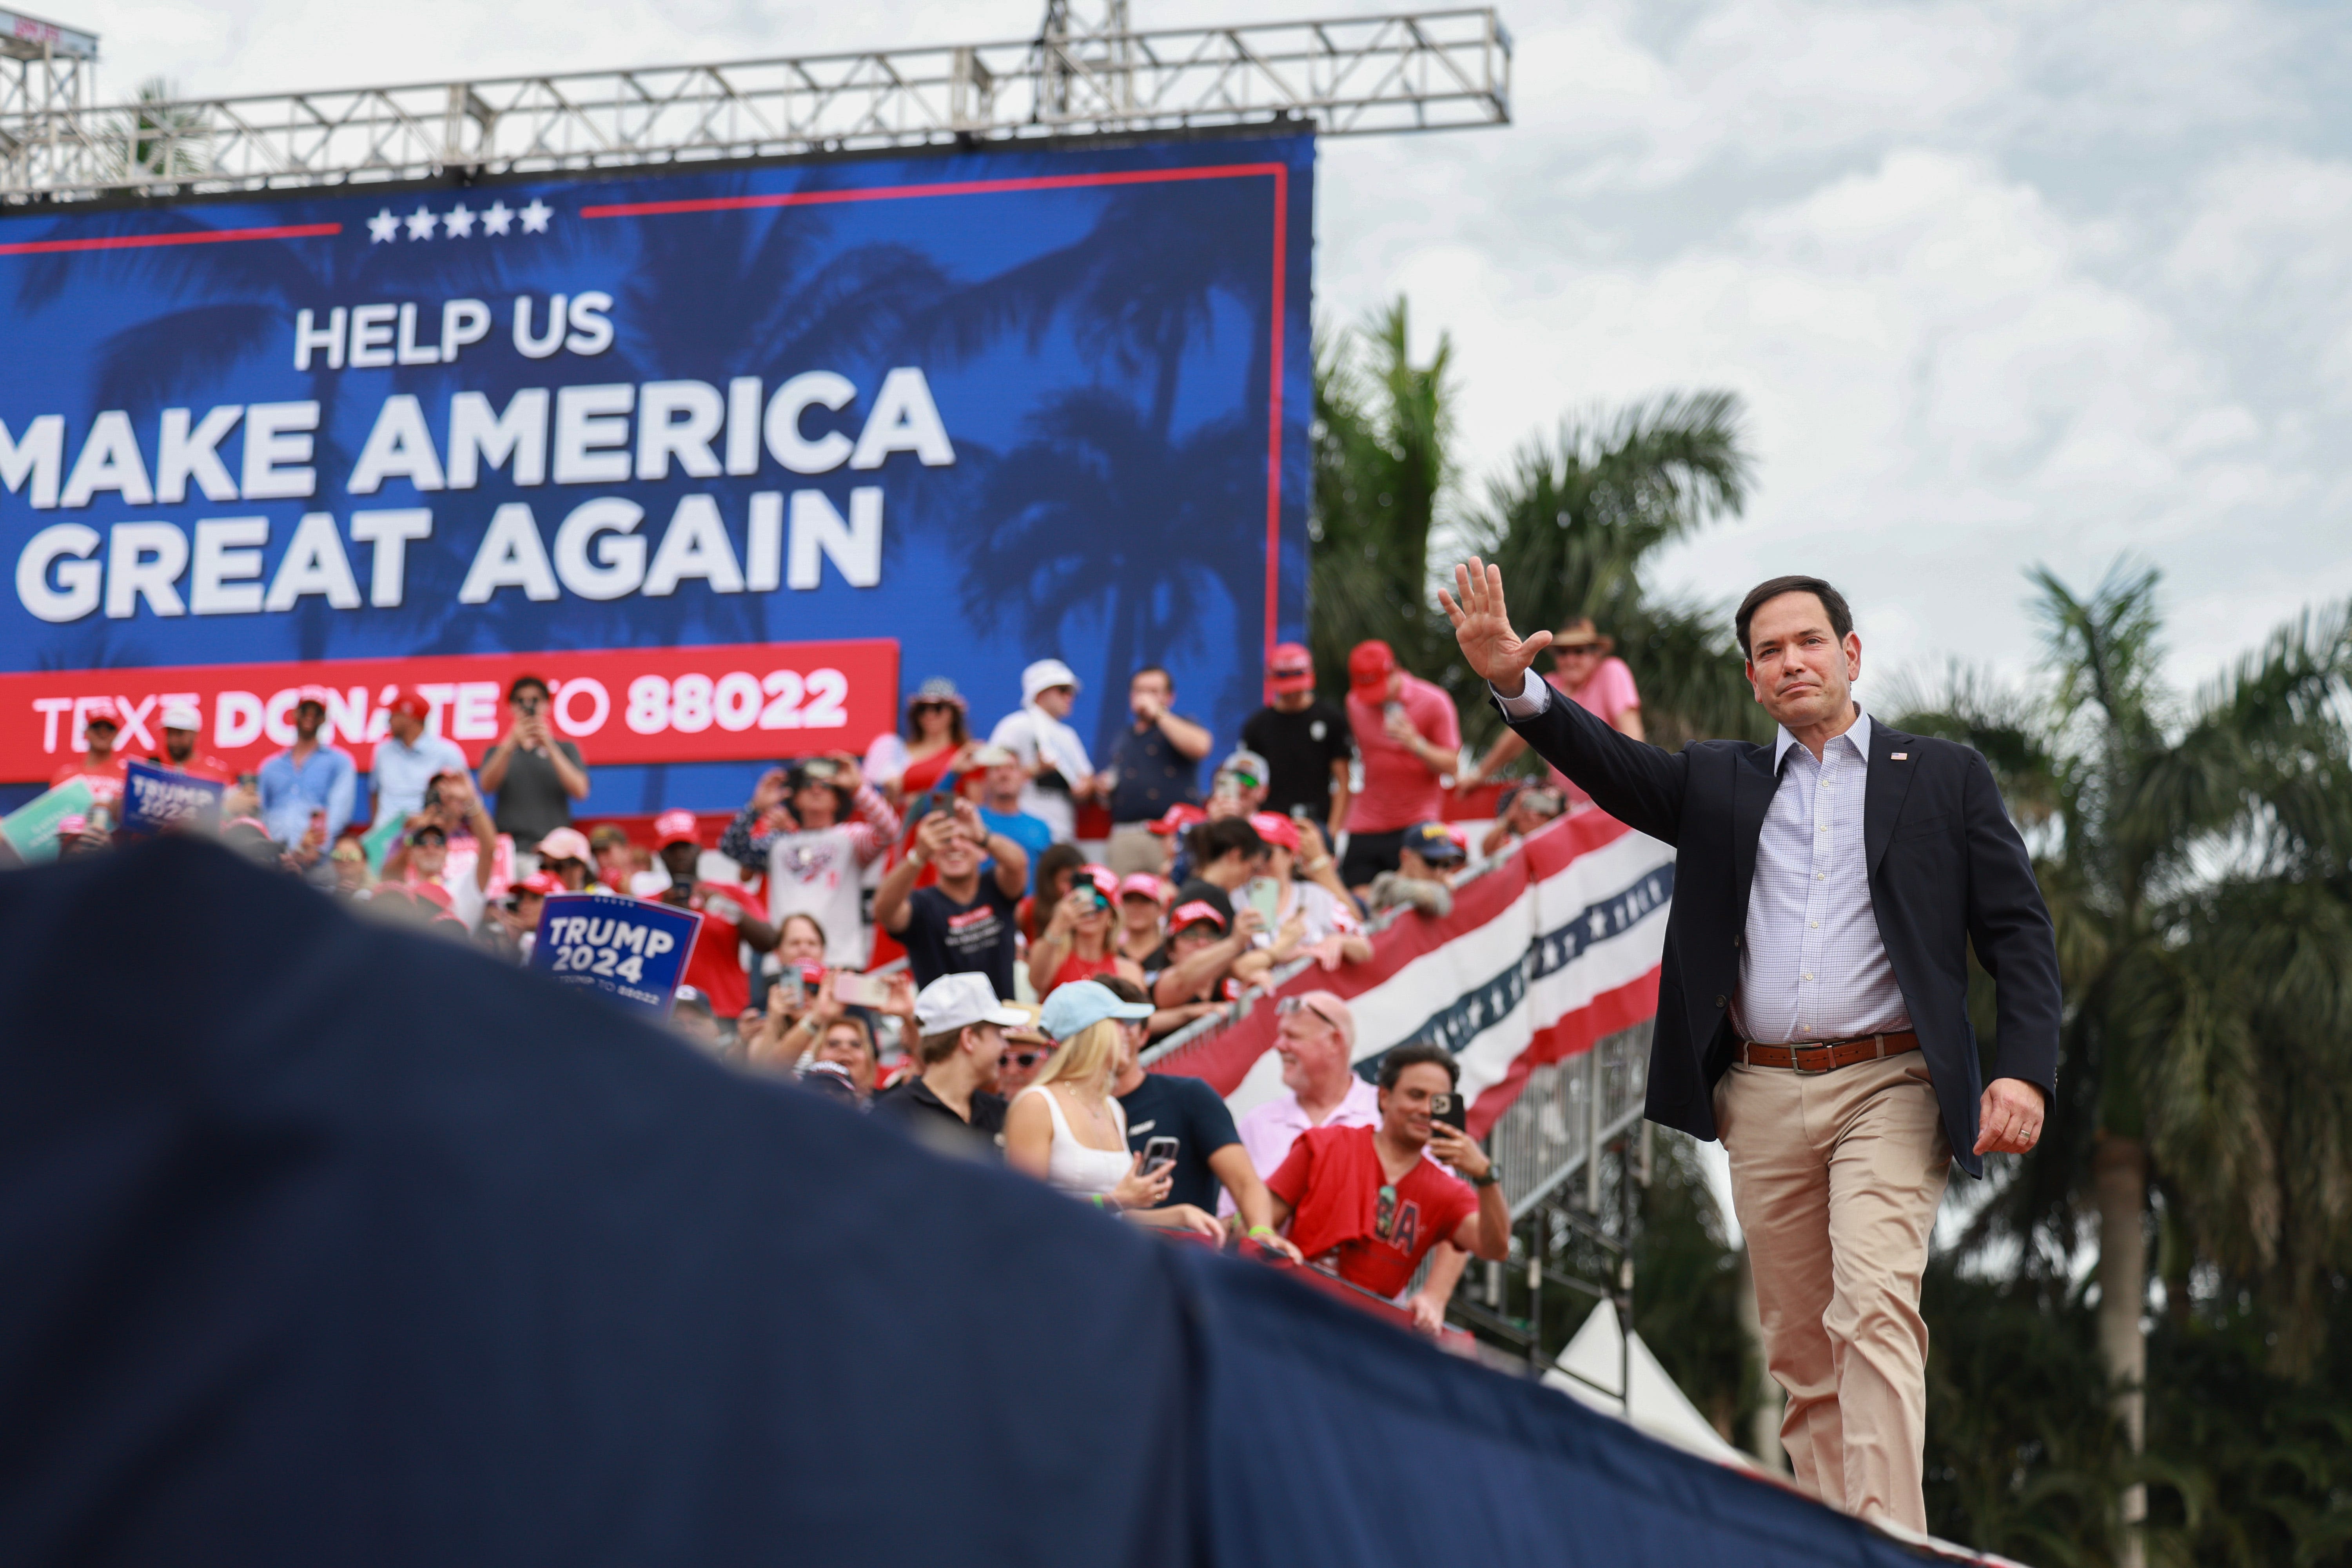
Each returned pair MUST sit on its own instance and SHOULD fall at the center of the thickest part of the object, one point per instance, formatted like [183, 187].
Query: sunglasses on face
[1024, 1060]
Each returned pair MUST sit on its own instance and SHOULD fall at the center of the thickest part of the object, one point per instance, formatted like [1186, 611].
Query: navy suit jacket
[1946, 870]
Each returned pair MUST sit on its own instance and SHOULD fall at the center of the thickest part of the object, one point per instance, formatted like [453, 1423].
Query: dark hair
[1413, 1054]
[956, 731]
[1120, 986]
[796, 779]
[523, 683]
[1159, 669]
[1053, 859]
[1833, 602]
[1213, 841]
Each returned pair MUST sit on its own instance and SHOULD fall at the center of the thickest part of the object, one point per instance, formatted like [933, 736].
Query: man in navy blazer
[1813, 1004]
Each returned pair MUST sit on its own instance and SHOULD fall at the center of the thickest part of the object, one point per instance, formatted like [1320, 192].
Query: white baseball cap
[960, 1001]
[1044, 675]
[182, 716]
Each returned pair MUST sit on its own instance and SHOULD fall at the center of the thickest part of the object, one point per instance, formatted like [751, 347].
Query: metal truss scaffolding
[1429, 70]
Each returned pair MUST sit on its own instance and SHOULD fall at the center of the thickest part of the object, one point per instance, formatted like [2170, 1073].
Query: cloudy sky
[2001, 283]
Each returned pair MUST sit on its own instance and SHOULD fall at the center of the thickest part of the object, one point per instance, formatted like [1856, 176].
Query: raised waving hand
[1482, 624]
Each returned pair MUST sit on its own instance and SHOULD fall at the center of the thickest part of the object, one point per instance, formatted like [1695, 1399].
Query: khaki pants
[1836, 1177]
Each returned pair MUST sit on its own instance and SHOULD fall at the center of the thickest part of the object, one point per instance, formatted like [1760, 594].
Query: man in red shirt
[731, 915]
[182, 726]
[101, 766]
[1366, 1202]
[1411, 739]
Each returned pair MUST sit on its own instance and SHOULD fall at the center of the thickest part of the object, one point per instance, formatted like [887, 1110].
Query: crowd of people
[980, 936]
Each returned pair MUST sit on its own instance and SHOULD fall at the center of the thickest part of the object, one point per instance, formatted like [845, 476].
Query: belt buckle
[1796, 1060]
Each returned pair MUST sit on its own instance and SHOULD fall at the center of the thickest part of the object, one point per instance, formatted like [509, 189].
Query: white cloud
[1961, 357]
[2002, 281]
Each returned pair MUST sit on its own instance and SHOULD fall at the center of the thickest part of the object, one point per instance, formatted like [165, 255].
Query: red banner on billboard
[738, 703]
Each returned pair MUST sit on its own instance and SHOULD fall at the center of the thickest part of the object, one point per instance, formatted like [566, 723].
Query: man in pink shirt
[1411, 740]
[1316, 1039]
[1584, 671]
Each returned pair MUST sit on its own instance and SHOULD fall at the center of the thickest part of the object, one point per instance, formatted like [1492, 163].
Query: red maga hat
[1368, 668]
[1290, 668]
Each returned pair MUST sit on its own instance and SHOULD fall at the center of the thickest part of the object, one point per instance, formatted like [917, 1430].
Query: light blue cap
[1083, 1003]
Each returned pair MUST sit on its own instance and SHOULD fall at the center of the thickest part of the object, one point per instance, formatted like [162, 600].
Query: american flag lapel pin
[1899, 756]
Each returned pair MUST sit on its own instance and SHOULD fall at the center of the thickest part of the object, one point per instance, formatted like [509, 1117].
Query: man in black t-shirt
[1306, 745]
[966, 921]
[949, 1108]
[1173, 1105]
[1156, 762]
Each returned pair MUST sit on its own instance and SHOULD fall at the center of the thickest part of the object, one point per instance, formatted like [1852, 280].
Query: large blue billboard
[750, 427]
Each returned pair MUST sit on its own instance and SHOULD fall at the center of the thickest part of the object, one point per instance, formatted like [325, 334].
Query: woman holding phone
[798, 1008]
[1068, 1131]
[1080, 940]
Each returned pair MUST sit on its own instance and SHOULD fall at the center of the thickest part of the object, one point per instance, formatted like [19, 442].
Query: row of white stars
[458, 222]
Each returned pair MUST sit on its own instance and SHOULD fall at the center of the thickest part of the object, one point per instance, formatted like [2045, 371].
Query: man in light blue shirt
[1000, 804]
[307, 778]
[409, 758]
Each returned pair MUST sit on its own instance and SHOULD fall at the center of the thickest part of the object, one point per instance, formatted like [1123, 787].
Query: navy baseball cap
[1431, 842]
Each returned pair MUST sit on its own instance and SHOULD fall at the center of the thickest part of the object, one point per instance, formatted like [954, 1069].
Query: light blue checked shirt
[1812, 966]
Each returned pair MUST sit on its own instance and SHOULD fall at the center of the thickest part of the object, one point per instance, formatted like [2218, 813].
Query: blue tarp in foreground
[328, 1243]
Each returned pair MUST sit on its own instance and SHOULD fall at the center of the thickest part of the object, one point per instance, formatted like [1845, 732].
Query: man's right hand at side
[1482, 625]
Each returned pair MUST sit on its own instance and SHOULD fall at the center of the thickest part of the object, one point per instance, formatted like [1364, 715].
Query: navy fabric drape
[326, 1242]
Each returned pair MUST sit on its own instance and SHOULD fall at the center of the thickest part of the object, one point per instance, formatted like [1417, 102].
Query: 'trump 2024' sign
[984, 406]
[630, 951]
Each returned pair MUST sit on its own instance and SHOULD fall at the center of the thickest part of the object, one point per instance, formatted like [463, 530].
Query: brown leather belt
[1830, 1054]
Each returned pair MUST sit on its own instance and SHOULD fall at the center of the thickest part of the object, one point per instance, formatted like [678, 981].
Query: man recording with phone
[812, 830]
[535, 775]
[732, 917]
[1364, 1203]
[964, 922]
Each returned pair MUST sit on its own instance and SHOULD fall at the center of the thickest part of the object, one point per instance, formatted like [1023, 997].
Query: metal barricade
[1566, 1110]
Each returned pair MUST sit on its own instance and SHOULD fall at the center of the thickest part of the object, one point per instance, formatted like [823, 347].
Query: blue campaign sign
[991, 405]
[157, 800]
[627, 948]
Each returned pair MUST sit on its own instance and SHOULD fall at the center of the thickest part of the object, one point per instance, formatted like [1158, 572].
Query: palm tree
[2194, 857]
[1576, 516]
[1048, 559]
[1138, 291]
[1383, 466]
[166, 140]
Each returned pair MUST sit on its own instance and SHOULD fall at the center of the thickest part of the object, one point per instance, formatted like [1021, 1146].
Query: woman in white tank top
[1067, 1131]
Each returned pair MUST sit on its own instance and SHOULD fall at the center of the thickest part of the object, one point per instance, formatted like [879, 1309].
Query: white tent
[1596, 1356]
